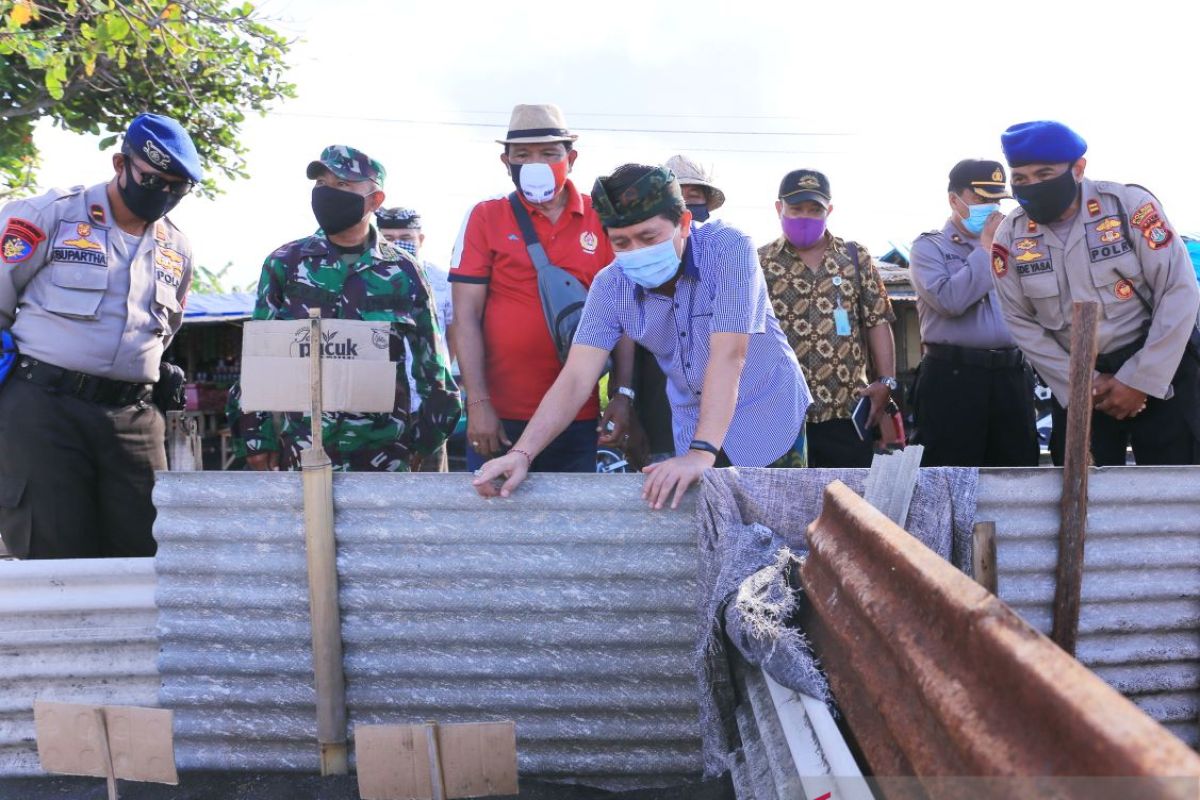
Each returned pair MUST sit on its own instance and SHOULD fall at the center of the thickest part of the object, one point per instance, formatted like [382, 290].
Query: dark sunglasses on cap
[153, 182]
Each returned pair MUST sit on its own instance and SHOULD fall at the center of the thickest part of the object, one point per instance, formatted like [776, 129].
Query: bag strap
[852, 247]
[537, 253]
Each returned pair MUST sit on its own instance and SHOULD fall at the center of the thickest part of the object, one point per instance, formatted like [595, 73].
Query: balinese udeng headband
[652, 194]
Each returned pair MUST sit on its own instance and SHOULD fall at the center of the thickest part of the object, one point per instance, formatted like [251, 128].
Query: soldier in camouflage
[349, 271]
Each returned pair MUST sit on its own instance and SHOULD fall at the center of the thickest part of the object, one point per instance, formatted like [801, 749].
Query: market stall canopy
[228, 307]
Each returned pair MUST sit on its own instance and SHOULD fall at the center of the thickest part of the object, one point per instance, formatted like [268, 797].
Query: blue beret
[1041, 142]
[165, 145]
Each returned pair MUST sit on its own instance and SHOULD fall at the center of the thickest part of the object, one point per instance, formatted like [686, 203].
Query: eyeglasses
[154, 182]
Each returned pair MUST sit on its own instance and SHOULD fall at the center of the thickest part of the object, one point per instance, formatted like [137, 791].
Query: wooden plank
[435, 761]
[1076, 460]
[106, 758]
[983, 556]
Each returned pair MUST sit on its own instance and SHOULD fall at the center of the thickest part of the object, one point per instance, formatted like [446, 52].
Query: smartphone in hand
[862, 413]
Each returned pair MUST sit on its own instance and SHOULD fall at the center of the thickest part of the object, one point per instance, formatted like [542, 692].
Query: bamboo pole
[321, 547]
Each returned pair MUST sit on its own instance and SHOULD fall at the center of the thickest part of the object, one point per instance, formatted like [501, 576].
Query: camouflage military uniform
[382, 284]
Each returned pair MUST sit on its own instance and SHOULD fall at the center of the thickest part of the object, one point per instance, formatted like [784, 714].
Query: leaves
[212, 281]
[22, 12]
[93, 65]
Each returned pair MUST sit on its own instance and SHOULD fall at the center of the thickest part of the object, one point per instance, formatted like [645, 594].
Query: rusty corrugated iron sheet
[937, 677]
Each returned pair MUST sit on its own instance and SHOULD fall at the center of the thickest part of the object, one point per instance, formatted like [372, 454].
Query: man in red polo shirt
[505, 351]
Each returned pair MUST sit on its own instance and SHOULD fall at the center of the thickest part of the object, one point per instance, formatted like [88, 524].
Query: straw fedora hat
[537, 123]
[689, 173]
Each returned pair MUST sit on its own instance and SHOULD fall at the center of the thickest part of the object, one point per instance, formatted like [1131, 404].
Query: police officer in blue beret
[1075, 239]
[93, 282]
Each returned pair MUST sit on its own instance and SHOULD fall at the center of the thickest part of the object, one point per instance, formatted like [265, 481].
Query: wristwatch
[705, 447]
[630, 393]
[889, 382]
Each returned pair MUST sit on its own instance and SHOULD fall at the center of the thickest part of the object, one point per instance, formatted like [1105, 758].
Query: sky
[882, 97]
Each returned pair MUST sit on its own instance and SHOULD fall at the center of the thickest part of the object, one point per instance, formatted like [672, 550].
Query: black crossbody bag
[561, 292]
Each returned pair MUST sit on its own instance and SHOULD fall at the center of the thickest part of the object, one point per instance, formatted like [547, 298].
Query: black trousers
[1164, 434]
[653, 407]
[76, 477]
[573, 450]
[835, 443]
[975, 416]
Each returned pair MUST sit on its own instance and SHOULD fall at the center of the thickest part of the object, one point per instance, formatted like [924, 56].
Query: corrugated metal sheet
[791, 745]
[75, 631]
[608, 588]
[569, 609]
[937, 677]
[1139, 622]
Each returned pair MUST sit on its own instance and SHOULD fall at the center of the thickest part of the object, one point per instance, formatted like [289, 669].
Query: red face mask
[539, 183]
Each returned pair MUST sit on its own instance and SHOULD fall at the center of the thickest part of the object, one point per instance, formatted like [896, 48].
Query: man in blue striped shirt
[694, 297]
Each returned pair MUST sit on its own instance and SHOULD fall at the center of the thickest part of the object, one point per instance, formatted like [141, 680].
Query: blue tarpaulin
[1193, 247]
[229, 307]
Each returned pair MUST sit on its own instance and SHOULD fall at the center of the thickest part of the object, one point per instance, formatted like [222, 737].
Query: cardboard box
[357, 371]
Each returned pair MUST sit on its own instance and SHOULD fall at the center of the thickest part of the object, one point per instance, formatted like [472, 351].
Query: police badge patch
[999, 261]
[1106, 239]
[78, 242]
[156, 156]
[1154, 229]
[20, 238]
[1157, 236]
[168, 266]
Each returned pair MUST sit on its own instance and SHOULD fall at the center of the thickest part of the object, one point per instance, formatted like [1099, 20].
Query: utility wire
[458, 124]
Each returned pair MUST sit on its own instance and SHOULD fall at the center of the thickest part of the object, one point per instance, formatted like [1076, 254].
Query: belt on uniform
[103, 391]
[1111, 363]
[1002, 358]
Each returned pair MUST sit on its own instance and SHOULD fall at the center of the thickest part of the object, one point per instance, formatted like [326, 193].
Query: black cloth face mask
[699, 211]
[336, 209]
[148, 205]
[1046, 201]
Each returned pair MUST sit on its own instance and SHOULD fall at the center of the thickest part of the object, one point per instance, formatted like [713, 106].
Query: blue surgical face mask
[977, 217]
[652, 266]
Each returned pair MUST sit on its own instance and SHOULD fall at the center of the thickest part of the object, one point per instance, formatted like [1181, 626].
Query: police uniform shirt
[1118, 245]
[956, 300]
[79, 293]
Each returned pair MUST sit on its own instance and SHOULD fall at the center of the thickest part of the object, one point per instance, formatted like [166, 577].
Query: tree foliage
[212, 281]
[93, 65]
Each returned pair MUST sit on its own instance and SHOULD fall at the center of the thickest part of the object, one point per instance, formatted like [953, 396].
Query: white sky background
[898, 91]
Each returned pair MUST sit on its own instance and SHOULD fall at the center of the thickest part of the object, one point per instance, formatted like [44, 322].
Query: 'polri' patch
[20, 238]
